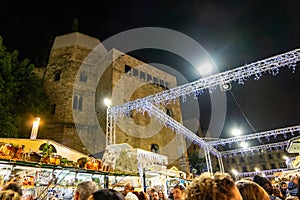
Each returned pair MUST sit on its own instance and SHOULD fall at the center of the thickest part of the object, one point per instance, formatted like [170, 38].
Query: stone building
[80, 74]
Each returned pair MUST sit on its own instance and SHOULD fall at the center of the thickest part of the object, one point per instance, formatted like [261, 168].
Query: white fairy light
[264, 134]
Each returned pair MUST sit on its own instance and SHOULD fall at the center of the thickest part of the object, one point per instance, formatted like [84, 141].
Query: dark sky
[232, 32]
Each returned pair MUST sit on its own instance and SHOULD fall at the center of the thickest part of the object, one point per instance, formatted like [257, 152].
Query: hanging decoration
[266, 134]
[255, 148]
[239, 75]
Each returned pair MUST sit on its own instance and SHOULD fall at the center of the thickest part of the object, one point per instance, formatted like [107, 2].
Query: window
[244, 169]
[53, 107]
[169, 112]
[135, 72]
[162, 83]
[242, 159]
[232, 160]
[278, 155]
[77, 102]
[155, 80]
[273, 166]
[167, 84]
[270, 156]
[83, 76]
[149, 78]
[142, 75]
[282, 165]
[128, 69]
[154, 148]
[264, 167]
[57, 75]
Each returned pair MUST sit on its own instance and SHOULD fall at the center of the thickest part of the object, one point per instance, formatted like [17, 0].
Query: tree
[197, 163]
[21, 94]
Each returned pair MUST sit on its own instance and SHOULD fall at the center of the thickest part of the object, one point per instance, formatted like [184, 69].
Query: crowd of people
[207, 186]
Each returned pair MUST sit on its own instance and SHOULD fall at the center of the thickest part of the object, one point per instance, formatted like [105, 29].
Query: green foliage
[197, 163]
[21, 94]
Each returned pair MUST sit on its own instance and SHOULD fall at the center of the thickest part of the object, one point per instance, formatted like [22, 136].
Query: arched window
[53, 107]
[77, 102]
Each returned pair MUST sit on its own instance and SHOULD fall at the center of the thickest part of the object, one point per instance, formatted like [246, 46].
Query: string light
[254, 148]
[265, 134]
[240, 75]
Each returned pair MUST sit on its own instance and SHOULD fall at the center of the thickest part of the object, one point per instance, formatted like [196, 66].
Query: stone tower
[79, 77]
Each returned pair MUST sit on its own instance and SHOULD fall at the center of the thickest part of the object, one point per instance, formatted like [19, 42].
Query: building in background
[77, 80]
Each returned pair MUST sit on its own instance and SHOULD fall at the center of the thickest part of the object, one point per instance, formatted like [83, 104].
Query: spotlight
[225, 86]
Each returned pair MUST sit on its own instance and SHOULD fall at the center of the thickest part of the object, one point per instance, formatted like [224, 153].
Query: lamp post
[35, 128]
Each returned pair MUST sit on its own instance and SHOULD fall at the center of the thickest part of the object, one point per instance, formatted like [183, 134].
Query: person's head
[84, 190]
[283, 185]
[154, 196]
[143, 195]
[128, 188]
[251, 190]
[179, 192]
[10, 195]
[264, 183]
[14, 187]
[107, 194]
[214, 187]
[294, 179]
[161, 194]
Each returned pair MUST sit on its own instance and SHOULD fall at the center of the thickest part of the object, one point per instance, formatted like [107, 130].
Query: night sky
[232, 32]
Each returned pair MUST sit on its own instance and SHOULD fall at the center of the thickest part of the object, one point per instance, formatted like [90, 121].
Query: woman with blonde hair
[251, 190]
[213, 187]
[10, 195]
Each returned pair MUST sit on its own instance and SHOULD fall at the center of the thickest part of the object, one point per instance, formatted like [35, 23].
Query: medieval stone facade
[78, 79]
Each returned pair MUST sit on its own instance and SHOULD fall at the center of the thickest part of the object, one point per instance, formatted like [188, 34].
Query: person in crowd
[154, 196]
[266, 184]
[213, 187]
[128, 192]
[14, 187]
[251, 190]
[161, 195]
[179, 192]
[106, 194]
[292, 187]
[277, 193]
[10, 195]
[170, 196]
[283, 189]
[84, 190]
[28, 195]
[143, 196]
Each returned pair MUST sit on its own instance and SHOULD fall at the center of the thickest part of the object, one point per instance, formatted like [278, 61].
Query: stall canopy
[33, 145]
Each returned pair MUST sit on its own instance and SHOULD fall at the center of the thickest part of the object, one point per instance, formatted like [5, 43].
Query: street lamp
[35, 128]
[107, 102]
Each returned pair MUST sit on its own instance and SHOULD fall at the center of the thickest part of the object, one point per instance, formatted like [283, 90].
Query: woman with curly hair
[251, 190]
[213, 187]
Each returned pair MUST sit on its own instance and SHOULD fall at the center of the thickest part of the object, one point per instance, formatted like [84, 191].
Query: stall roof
[34, 145]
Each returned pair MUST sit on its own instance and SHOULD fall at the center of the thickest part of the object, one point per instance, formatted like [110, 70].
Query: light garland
[177, 127]
[255, 148]
[267, 134]
[241, 74]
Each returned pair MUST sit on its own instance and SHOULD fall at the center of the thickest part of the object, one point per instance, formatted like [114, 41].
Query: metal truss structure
[152, 103]
[255, 148]
[266, 134]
